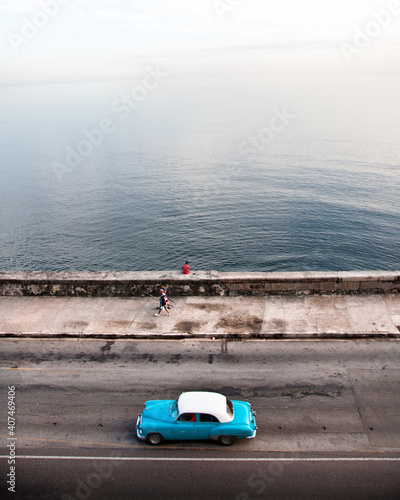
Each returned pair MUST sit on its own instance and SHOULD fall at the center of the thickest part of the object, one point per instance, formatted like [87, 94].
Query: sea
[240, 173]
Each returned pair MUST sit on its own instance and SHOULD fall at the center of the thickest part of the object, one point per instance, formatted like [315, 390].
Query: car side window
[187, 417]
[205, 417]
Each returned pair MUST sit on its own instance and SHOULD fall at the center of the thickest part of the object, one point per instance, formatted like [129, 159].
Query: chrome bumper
[255, 425]
[137, 427]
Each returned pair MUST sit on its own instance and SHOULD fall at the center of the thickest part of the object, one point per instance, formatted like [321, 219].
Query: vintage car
[196, 415]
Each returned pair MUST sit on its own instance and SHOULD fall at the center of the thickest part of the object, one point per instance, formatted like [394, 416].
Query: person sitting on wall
[186, 268]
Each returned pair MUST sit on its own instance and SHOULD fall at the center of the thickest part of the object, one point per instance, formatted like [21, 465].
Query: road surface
[327, 412]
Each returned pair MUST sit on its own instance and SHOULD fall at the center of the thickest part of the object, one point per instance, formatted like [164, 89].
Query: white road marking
[213, 459]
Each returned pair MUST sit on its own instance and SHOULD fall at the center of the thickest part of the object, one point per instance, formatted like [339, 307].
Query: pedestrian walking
[164, 302]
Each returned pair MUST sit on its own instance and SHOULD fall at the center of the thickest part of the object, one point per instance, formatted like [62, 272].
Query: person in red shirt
[186, 268]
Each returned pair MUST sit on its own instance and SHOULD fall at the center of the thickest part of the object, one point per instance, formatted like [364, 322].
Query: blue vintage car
[196, 415]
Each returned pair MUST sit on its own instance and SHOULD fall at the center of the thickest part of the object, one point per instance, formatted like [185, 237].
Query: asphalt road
[328, 417]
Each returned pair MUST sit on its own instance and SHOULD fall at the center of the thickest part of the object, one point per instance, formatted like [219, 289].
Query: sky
[84, 40]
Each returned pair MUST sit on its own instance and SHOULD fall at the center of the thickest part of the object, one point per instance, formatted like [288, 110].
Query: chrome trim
[253, 435]
[137, 427]
[139, 436]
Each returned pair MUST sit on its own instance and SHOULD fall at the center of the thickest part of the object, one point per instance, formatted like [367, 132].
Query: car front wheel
[226, 440]
[155, 438]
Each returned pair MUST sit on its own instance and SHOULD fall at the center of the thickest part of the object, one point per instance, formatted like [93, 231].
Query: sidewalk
[276, 316]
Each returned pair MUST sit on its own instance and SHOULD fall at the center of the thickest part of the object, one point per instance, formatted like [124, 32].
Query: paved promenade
[279, 316]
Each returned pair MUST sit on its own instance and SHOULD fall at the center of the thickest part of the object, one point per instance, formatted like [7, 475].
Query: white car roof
[204, 402]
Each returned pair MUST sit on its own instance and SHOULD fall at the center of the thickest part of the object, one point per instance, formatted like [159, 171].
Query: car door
[207, 422]
[186, 426]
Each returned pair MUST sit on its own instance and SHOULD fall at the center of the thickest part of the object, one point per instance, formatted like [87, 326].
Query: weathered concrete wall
[206, 283]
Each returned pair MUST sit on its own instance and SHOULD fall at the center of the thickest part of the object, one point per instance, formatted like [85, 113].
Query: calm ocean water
[204, 170]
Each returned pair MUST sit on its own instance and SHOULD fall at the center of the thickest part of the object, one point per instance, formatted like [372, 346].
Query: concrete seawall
[199, 283]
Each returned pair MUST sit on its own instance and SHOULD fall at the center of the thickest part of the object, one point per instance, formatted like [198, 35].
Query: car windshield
[174, 410]
[229, 407]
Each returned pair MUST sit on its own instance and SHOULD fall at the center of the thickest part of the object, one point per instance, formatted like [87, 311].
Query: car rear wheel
[226, 440]
[155, 438]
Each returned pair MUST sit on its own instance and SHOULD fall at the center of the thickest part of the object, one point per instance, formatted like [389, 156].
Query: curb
[237, 337]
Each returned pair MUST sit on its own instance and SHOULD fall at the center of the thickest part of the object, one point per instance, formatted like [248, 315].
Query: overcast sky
[111, 39]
